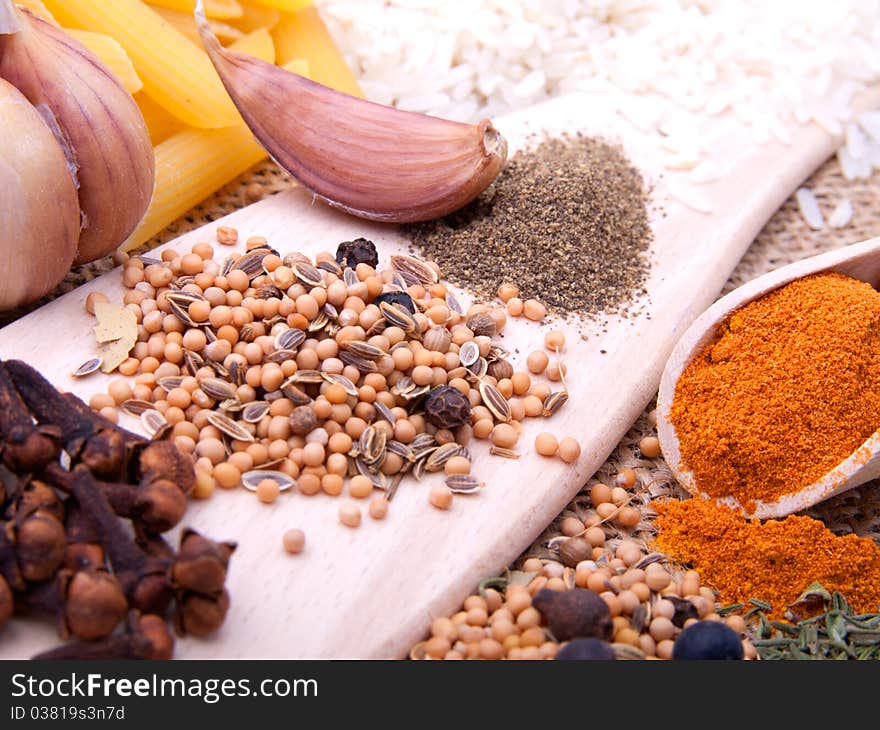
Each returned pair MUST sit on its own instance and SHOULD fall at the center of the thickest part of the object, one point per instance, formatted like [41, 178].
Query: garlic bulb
[370, 160]
[38, 204]
[99, 126]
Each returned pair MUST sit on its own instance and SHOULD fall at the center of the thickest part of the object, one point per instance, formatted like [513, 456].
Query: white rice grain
[809, 208]
[841, 215]
[773, 65]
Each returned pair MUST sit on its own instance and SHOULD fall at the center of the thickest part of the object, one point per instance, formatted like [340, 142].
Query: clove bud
[145, 637]
[84, 548]
[39, 545]
[36, 496]
[26, 448]
[200, 615]
[6, 602]
[81, 555]
[201, 563]
[162, 460]
[370, 160]
[87, 437]
[86, 604]
[94, 603]
[143, 578]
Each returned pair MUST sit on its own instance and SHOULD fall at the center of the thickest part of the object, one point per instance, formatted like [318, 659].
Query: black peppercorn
[708, 640]
[583, 649]
[447, 407]
[358, 251]
[573, 614]
[397, 297]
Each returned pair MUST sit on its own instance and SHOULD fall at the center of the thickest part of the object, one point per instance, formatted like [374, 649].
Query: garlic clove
[9, 22]
[38, 204]
[99, 126]
[371, 160]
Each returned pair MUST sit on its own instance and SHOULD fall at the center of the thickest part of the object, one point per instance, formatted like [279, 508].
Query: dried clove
[83, 555]
[26, 448]
[6, 602]
[142, 577]
[155, 506]
[88, 603]
[39, 541]
[145, 637]
[95, 603]
[10, 484]
[35, 495]
[201, 563]
[84, 547]
[198, 614]
[158, 506]
[65, 552]
[88, 438]
[162, 461]
[9, 569]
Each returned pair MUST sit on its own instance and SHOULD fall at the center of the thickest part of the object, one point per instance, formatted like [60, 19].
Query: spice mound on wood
[292, 374]
[788, 389]
[66, 552]
[566, 220]
[776, 560]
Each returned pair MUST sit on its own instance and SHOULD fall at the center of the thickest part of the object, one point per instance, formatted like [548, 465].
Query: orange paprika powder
[774, 561]
[788, 388]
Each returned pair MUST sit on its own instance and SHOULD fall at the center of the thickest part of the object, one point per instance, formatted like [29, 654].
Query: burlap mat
[785, 238]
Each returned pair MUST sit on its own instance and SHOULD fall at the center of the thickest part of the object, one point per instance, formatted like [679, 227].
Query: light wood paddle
[860, 261]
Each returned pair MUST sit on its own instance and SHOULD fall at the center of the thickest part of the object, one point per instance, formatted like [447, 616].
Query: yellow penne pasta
[112, 55]
[287, 6]
[186, 25]
[220, 9]
[192, 164]
[160, 122]
[304, 35]
[259, 44]
[299, 66]
[256, 16]
[175, 73]
[37, 7]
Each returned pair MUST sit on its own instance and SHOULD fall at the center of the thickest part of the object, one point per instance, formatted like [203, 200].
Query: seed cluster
[284, 373]
[84, 506]
[567, 220]
[595, 593]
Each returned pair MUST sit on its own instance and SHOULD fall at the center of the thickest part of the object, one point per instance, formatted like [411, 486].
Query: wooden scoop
[860, 261]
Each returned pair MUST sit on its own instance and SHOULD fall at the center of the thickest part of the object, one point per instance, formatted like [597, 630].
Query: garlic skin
[38, 204]
[370, 160]
[98, 123]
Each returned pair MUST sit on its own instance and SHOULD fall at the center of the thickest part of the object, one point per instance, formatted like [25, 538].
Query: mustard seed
[650, 447]
[350, 515]
[440, 496]
[569, 450]
[268, 491]
[546, 444]
[537, 362]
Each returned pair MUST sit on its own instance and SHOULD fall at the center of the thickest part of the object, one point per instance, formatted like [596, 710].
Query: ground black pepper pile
[566, 221]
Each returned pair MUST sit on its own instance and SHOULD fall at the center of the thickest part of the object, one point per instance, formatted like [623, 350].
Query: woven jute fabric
[786, 238]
